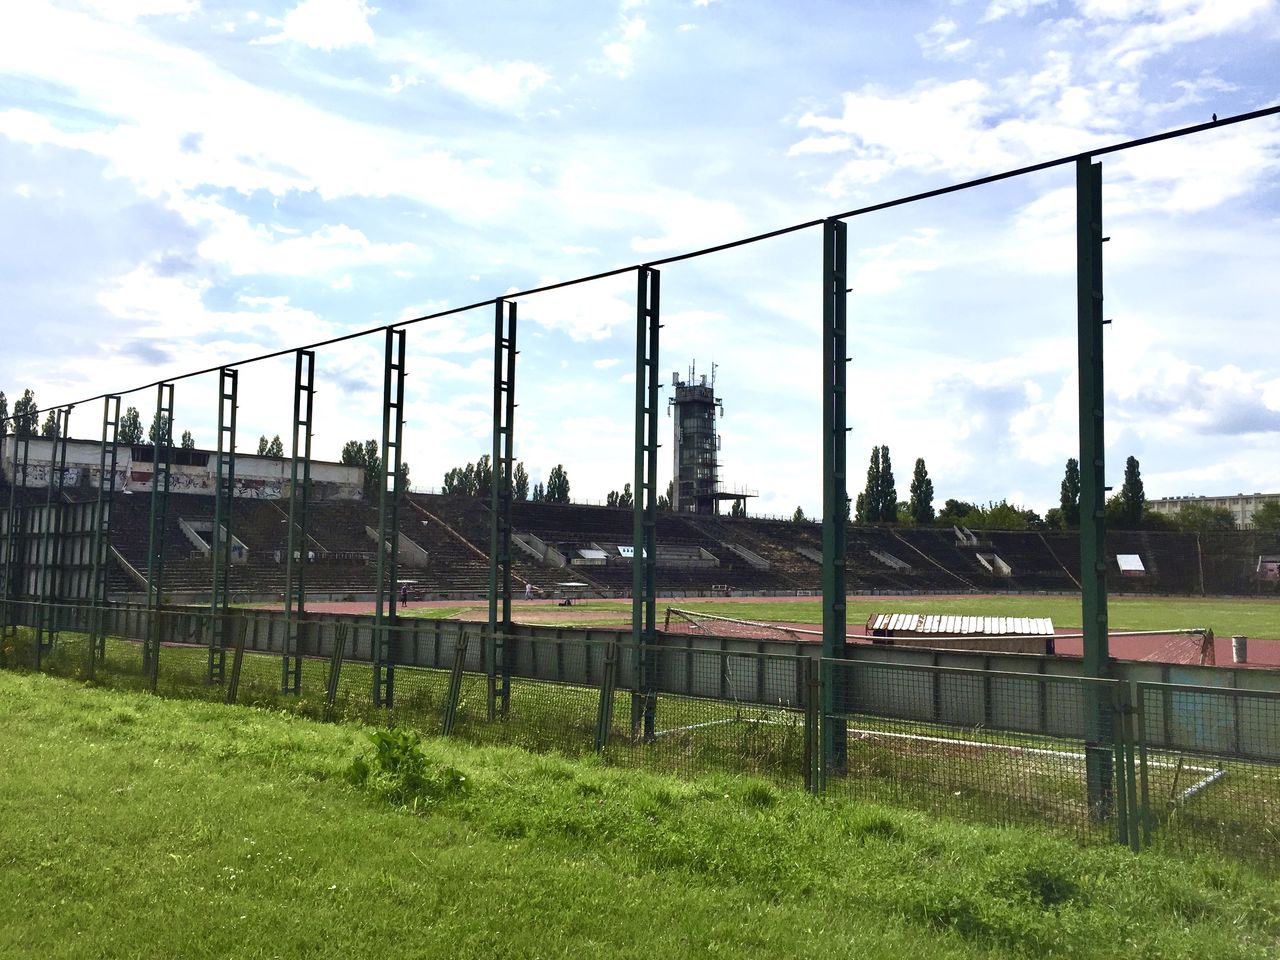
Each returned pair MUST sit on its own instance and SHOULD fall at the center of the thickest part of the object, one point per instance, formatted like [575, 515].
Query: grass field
[1255, 618]
[139, 827]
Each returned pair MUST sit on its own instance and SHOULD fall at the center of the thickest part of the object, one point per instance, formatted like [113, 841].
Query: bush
[398, 772]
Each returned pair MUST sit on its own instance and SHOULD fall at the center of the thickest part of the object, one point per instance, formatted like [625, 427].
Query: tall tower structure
[697, 445]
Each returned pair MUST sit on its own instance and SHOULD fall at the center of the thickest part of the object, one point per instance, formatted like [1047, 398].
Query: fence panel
[1211, 767]
[996, 747]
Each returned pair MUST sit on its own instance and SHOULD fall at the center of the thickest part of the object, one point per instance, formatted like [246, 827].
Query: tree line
[129, 431]
[1127, 509]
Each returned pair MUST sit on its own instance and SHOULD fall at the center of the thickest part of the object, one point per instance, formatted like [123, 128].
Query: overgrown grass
[138, 827]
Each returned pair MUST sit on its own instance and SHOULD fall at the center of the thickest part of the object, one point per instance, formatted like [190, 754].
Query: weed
[401, 774]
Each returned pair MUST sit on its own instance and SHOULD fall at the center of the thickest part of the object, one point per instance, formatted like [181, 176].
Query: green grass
[139, 827]
[1252, 618]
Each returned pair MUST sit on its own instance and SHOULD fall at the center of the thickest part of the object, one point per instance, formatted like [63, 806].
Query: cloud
[999, 9]
[127, 11]
[325, 25]
[233, 240]
[504, 85]
[619, 47]
[939, 42]
[138, 100]
[1226, 401]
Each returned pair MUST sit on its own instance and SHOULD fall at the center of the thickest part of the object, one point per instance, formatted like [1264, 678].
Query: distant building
[696, 486]
[1242, 505]
[190, 471]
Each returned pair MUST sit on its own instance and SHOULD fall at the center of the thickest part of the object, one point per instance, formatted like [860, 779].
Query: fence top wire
[717, 248]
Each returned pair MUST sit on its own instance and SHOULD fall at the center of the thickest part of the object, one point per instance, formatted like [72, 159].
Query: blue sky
[185, 184]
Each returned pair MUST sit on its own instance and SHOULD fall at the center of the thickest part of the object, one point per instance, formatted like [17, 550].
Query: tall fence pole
[162, 461]
[13, 541]
[644, 509]
[223, 536]
[500, 493]
[1093, 568]
[295, 546]
[385, 633]
[51, 565]
[107, 461]
[835, 496]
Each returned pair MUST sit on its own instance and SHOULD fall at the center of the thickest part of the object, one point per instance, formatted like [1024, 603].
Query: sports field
[1257, 619]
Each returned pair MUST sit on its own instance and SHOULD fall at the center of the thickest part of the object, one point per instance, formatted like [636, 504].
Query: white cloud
[247, 248]
[501, 84]
[939, 42]
[606, 363]
[325, 25]
[619, 49]
[251, 138]
[884, 269]
[999, 9]
[126, 11]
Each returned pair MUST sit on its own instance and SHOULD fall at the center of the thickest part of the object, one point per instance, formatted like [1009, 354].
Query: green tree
[365, 456]
[4, 415]
[26, 415]
[739, 508]
[664, 501]
[129, 430]
[483, 477]
[1053, 518]
[188, 441]
[50, 426]
[957, 512]
[539, 492]
[1267, 517]
[160, 433]
[798, 516]
[1198, 518]
[888, 491]
[1069, 494]
[920, 506]
[262, 445]
[1133, 499]
[276, 447]
[558, 485]
[867, 503]
[520, 482]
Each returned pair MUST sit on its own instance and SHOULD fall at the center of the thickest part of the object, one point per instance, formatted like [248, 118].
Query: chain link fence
[1140, 762]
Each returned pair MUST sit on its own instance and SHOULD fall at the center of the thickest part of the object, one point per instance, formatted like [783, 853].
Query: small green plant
[399, 772]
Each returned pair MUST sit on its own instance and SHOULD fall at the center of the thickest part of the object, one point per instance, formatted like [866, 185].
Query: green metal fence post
[835, 497]
[500, 493]
[223, 537]
[608, 684]
[385, 631]
[51, 528]
[336, 657]
[644, 510]
[295, 567]
[13, 541]
[161, 461]
[1093, 570]
[107, 462]
[454, 693]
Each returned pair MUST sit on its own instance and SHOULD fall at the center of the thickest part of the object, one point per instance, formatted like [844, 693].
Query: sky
[188, 184]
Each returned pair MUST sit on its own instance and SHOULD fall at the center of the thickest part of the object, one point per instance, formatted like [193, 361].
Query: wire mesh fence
[999, 747]
[1210, 765]
[1143, 762]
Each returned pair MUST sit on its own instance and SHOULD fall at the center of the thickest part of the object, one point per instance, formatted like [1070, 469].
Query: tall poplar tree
[921, 505]
[1069, 495]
